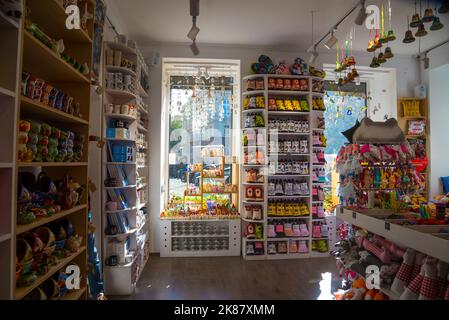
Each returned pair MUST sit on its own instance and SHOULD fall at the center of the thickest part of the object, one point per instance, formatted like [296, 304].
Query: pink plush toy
[398, 252]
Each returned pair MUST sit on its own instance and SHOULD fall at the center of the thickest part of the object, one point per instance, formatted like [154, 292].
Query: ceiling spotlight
[361, 17]
[194, 31]
[331, 42]
[313, 57]
[194, 48]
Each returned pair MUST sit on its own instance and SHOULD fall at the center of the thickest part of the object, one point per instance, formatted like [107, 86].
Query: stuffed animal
[263, 66]
[404, 275]
[299, 67]
[282, 68]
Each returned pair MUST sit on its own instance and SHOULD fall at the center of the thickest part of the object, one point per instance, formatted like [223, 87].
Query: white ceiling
[262, 23]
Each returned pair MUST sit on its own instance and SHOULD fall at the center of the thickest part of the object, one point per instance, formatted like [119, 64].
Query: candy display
[288, 126]
[253, 231]
[253, 138]
[253, 176]
[257, 102]
[255, 84]
[288, 104]
[318, 104]
[254, 156]
[287, 167]
[254, 193]
[287, 208]
[252, 212]
[255, 248]
[288, 188]
[295, 228]
[291, 146]
[40, 142]
[40, 91]
[288, 84]
[254, 120]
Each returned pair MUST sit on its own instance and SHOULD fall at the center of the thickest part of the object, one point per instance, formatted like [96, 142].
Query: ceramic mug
[109, 108]
[124, 109]
[117, 108]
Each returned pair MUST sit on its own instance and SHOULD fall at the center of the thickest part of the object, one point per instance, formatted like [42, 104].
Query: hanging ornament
[444, 7]
[390, 35]
[436, 25]
[421, 31]
[428, 14]
[337, 62]
[371, 47]
[416, 20]
[381, 58]
[388, 54]
[409, 38]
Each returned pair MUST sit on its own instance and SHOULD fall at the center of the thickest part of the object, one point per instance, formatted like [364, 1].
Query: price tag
[354, 215]
[387, 226]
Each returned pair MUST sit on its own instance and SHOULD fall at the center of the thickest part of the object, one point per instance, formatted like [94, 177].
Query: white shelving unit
[121, 278]
[267, 115]
[426, 239]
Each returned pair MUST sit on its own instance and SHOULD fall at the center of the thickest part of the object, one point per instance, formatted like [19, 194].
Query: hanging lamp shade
[444, 7]
[436, 25]
[388, 54]
[381, 58]
[409, 38]
[421, 31]
[428, 16]
[416, 20]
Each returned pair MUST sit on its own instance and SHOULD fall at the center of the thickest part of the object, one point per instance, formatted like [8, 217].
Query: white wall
[439, 118]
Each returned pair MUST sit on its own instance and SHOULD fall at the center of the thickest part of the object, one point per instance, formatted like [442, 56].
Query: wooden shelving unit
[403, 122]
[25, 53]
[311, 117]
[121, 279]
[10, 35]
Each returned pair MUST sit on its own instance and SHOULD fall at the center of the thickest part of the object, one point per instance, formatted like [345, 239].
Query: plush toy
[358, 289]
[264, 66]
[370, 294]
[282, 68]
[299, 67]
[380, 296]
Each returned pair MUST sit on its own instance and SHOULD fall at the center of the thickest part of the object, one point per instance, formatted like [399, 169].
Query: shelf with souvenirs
[125, 170]
[278, 151]
[205, 220]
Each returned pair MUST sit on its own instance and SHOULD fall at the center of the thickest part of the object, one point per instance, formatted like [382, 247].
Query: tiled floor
[226, 278]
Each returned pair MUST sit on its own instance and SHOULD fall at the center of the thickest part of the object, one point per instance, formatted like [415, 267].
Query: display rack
[125, 171]
[205, 235]
[308, 89]
[23, 55]
[431, 240]
[404, 118]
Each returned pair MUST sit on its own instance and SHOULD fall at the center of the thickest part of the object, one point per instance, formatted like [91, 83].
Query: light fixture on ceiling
[362, 15]
[193, 33]
[332, 41]
[313, 56]
[194, 48]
